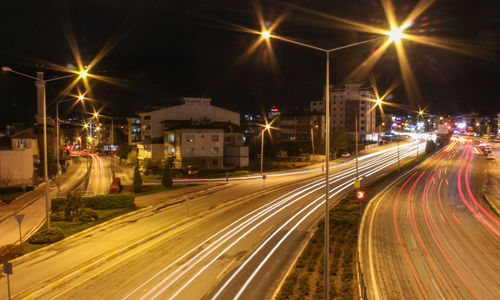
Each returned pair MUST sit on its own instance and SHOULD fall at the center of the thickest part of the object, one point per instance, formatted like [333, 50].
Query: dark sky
[166, 49]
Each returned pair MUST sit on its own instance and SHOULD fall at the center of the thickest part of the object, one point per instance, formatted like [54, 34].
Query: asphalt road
[101, 175]
[227, 249]
[430, 236]
[35, 212]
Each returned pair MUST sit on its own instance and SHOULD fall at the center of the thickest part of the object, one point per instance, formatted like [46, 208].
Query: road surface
[429, 236]
[227, 249]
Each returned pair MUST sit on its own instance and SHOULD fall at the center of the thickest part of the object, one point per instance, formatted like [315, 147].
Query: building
[147, 130]
[195, 148]
[351, 102]
[318, 106]
[18, 152]
[301, 128]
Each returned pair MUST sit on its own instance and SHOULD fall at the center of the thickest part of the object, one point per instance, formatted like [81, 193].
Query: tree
[430, 146]
[123, 151]
[147, 166]
[166, 177]
[51, 165]
[74, 206]
[137, 181]
[338, 140]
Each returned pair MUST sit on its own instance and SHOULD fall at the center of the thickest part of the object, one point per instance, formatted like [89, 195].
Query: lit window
[215, 138]
[214, 150]
[171, 138]
[190, 138]
[190, 150]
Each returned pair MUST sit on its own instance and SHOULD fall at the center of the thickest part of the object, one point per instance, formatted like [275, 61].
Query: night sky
[162, 50]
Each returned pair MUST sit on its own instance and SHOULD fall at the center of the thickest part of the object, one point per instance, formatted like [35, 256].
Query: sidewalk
[32, 205]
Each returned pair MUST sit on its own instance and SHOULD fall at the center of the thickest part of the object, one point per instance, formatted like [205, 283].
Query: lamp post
[40, 82]
[96, 115]
[80, 98]
[267, 127]
[420, 113]
[267, 35]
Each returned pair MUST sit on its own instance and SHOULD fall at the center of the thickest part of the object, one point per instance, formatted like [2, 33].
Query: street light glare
[81, 97]
[6, 69]
[396, 34]
[83, 73]
[268, 126]
[96, 114]
[379, 101]
[265, 34]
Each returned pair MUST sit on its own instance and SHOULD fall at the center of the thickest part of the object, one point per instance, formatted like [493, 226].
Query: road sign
[360, 195]
[7, 268]
[19, 218]
[357, 184]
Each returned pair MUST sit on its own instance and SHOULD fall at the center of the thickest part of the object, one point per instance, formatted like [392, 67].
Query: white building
[146, 131]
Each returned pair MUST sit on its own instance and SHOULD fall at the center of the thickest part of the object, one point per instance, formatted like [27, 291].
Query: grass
[71, 228]
[8, 198]
[305, 281]
[151, 177]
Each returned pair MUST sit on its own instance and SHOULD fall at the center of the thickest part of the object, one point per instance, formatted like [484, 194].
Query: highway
[228, 248]
[100, 175]
[430, 235]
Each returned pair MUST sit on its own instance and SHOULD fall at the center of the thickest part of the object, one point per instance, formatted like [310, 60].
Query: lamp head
[81, 97]
[265, 34]
[268, 126]
[378, 101]
[7, 69]
[83, 73]
[96, 115]
[396, 34]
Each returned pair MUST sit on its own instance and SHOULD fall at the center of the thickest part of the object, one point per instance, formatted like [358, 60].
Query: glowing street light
[267, 127]
[396, 34]
[265, 34]
[83, 73]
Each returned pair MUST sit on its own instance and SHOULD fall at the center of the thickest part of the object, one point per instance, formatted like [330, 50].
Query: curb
[292, 265]
[491, 204]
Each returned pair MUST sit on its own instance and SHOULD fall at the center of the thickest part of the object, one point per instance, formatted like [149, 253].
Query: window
[362, 127]
[136, 130]
[147, 137]
[362, 102]
[171, 150]
[214, 150]
[215, 138]
[136, 122]
[362, 108]
[147, 117]
[362, 121]
[190, 138]
[189, 150]
[171, 138]
[202, 136]
[215, 162]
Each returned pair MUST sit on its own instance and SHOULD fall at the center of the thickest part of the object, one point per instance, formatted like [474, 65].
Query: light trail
[392, 157]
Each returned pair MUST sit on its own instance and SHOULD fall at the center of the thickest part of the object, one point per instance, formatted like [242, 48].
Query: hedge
[100, 201]
[47, 237]
[15, 189]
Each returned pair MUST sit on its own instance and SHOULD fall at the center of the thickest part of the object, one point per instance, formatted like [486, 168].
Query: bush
[147, 166]
[46, 237]
[430, 147]
[100, 201]
[15, 189]
[88, 215]
[57, 216]
[8, 252]
[73, 206]
[166, 177]
[137, 181]
[110, 201]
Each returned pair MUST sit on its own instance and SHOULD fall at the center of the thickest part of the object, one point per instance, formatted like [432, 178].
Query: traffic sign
[357, 184]
[360, 195]
[7, 268]
[19, 218]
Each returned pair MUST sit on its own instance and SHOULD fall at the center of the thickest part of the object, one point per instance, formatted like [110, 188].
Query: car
[345, 154]
[490, 156]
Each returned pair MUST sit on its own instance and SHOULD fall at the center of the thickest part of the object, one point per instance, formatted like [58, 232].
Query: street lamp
[267, 35]
[267, 127]
[40, 82]
[80, 98]
[420, 114]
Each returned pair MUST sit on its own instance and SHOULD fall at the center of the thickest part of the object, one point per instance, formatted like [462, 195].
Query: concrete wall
[16, 167]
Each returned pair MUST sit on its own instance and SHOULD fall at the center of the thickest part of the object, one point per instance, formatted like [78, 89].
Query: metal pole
[57, 150]
[262, 153]
[357, 175]
[327, 162]
[8, 286]
[312, 140]
[20, 235]
[40, 82]
[112, 152]
[399, 136]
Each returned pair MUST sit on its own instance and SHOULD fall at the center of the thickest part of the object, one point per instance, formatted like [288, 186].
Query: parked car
[490, 156]
[345, 154]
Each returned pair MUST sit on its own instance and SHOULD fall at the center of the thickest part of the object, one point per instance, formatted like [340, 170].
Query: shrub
[46, 237]
[73, 206]
[166, 177]
[430, 147]
[100, 201]
[137, 181]
[57, 216]
[88, 215]
[147, 166]
[10, 251]
[15, 189]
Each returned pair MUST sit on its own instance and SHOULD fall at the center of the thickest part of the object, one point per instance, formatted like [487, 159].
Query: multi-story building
[301, 128]
[146, 131]
[351, 102]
